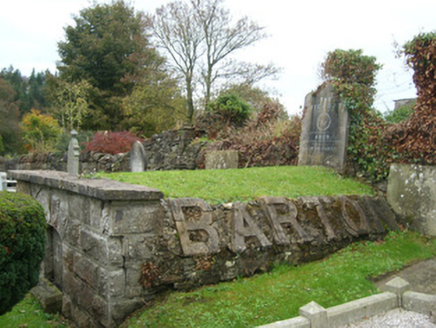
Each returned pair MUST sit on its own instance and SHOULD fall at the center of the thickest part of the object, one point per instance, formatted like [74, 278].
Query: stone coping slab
[356, 310]
[103, 189]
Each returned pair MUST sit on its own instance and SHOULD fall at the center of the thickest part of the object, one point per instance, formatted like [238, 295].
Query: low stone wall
[89, 162]
[170, 150]
[113, 246]
[174, 150]
[412, 195]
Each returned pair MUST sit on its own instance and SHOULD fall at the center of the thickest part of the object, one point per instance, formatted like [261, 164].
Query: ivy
[352, 75]
[373, 143]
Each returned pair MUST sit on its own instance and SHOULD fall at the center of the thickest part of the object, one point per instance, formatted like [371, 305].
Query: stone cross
[73, 155]
[138, 162]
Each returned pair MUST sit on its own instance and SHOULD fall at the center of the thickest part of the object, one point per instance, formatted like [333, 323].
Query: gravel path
[397, 318]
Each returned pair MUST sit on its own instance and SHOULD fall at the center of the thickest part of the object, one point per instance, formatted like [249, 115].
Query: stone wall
[412, 195]
[174, 150]
[113, 246]
[170, 150]
[89, 162]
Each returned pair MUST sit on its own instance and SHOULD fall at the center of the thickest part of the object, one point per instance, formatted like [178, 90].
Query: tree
[40, 131]
[29, 91]
[70, 103]
[177, 32]
[155, 105]
[200, 38]
[108, 48]
[10, 118]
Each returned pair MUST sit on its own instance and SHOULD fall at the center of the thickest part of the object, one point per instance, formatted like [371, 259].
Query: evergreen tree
[109, 49]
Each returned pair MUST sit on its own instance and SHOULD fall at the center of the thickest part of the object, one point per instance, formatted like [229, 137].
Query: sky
[301, 33]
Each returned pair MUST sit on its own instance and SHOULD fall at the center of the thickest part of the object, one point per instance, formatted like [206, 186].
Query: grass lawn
[28, 313]
[278, 295]
[222, 186]
[265, 298]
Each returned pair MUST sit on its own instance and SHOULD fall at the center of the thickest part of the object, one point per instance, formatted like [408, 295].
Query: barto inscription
[275, 223]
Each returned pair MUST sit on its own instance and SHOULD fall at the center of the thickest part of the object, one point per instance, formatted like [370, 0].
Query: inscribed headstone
[222, 159]
[138, 162]
[324, 130]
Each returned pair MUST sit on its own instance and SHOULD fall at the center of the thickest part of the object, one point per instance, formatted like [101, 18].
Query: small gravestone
[3, 181]
[73, 155]
[138, 162]
[222, 159]
[324, 132]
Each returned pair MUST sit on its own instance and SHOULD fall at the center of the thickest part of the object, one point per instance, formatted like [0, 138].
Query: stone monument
[324, 132]
[73, 155]
[138, 162]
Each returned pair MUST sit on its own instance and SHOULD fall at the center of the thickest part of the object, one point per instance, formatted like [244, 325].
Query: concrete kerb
[398, 296]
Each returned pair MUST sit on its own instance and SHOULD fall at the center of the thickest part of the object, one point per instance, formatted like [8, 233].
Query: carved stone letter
[315, 201]
[243, 227]
[185, 226]
[276, 221]
[351, 227]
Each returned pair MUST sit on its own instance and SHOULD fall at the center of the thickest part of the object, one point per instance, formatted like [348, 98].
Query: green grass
[279, 294]
[28, 313]
[221, 186]
[265, 298]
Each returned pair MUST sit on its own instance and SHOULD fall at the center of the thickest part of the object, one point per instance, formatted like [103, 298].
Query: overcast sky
[301, 34]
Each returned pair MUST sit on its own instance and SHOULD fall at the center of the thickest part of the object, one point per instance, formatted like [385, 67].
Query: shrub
[231, 107]
[22, 246]
[265, 140]
[400, 114]
[112, 142]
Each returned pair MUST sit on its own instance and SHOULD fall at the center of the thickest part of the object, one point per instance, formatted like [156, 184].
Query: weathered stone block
[48, 295]
[58, 217]
[419, 302]
[134, 217]
[120, 309]
[222, 159]
[95, 213]
[136, 247]
[353, 311]
[93, 244]
[86, 270]
[72, 286]
[412, 195]
[115, 254]
[133, 274]
[116, 283]
[316, 314]
[67, 307]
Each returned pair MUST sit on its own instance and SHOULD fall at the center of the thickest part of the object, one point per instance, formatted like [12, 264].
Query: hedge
[22, 246]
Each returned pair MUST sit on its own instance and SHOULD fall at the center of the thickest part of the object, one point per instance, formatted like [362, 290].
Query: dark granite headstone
[324, 133]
